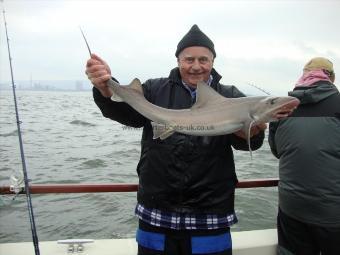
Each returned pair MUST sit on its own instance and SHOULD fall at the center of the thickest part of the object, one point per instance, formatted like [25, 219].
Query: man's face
[195, 64]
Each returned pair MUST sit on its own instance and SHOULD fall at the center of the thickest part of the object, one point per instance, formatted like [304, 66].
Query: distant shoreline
[48, 85]
[57, 90]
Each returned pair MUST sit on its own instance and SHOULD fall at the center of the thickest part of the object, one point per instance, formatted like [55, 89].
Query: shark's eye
[272, 101]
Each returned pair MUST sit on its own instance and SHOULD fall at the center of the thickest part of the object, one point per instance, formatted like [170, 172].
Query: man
[308, 146]
[186, 183]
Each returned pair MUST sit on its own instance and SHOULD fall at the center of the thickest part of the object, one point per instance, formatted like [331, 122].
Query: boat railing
[114, 187]
[245, 242]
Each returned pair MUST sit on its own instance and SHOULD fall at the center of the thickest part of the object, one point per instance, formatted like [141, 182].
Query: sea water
[67, 140]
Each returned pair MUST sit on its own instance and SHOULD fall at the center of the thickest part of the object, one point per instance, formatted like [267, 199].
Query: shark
[212, 114]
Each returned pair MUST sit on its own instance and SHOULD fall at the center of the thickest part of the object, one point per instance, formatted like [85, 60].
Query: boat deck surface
[256, 242]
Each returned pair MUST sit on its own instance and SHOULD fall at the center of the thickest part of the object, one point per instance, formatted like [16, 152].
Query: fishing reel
[16, 182]
[16, 187]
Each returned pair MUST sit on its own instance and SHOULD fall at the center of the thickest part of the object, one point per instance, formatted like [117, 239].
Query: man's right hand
[98, 72]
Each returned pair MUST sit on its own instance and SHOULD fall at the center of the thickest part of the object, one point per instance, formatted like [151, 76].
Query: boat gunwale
[116, 187]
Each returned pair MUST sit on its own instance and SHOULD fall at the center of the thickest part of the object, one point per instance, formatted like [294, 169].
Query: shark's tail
[134, 85]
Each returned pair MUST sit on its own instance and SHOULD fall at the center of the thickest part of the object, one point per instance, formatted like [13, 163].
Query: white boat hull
[256, 242]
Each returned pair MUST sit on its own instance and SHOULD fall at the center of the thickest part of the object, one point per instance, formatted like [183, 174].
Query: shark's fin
[116, 98]
[206, 95]
[161, 131]
[136, 85]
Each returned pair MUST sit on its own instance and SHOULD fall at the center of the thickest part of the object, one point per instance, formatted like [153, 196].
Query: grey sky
[261, 42]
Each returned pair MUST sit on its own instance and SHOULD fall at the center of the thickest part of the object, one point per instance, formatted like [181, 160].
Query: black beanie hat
[195, 37]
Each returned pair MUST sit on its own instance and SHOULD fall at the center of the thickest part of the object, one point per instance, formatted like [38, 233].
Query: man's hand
[253, 131]
[283, 114]
[98, 72]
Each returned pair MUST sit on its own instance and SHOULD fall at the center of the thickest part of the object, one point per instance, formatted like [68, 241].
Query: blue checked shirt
[193, 90]
[181, 221]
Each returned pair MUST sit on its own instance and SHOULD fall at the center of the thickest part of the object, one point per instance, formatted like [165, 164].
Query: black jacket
[182, 173]
[308, 146]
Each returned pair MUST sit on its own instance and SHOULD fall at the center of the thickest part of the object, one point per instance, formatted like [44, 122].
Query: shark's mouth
[288, 107]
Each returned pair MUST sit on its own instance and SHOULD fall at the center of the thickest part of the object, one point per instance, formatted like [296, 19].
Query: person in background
[186, 183]
[308, 147]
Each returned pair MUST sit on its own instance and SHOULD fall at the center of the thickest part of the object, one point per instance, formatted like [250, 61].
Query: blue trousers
[161, 241]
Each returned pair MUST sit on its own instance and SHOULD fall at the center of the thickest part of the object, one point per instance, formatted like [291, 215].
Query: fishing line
[264, 91]
[26, 180]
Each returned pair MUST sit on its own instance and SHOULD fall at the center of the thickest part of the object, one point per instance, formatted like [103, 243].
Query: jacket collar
[314, 93]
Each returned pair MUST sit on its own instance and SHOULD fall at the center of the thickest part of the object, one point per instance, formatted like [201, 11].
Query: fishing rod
[88, 47]
[26, 180]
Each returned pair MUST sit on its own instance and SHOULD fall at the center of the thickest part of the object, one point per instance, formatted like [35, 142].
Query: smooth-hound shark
[212, 114]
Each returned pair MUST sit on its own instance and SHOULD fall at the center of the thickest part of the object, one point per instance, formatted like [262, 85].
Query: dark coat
[308, 146]
[182, 173]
